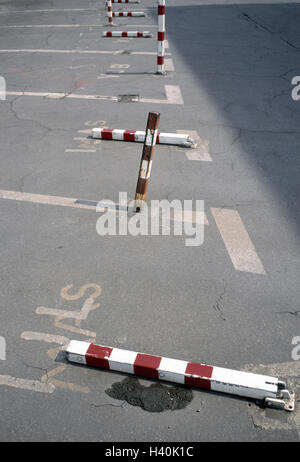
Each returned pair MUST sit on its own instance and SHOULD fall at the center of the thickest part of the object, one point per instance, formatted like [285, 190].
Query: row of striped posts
[161, 13]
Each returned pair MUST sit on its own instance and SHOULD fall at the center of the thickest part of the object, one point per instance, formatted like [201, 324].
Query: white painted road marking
[173, 94]
[43, 199]
[169, 65]
[77, 203]
[80, 150]
[26, 384]
[49, 10]
[101, 52]
[237, 241]
[199, 153]
[42, 26]
[60, 95]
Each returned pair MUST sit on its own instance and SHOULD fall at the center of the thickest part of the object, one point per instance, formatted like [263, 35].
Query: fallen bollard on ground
[116, 134]
[270, 390]
[132, 33]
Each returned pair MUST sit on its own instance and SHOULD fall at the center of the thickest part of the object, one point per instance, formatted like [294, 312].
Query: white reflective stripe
[76, 351]
[122, 360]
[243, 383]
[148, 141]
[118, 134]
[149, 170]
[172, 370]
[151, 138]
[144, 167]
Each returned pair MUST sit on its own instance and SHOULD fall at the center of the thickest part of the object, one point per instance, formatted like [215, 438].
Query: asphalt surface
[233, 63]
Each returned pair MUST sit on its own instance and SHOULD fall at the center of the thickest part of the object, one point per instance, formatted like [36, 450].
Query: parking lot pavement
[232, 301]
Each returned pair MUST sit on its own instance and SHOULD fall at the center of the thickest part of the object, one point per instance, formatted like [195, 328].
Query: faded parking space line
[49, 200]
[173, 93]
[80, 150]
[169, 65]
[49, 338]
[173, 96]
[201, 152]
[26, 384]
[42, 26]
[82, 204]
[101, 52]
[54, 10]
[237, 241]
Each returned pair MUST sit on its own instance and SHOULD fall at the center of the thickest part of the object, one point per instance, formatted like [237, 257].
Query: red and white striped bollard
[161, 37]
[109, 12]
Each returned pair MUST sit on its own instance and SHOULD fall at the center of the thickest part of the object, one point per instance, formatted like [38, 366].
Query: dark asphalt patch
[128, 98]
[155, 398]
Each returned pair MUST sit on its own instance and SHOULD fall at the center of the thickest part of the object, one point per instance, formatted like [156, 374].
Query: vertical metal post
[161, 37]
[146, 161]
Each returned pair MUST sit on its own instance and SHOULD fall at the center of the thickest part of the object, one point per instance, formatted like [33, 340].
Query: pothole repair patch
[128, 98]
[155, 398]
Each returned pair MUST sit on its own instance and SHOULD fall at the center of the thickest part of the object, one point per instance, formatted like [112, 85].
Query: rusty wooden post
[146, 161]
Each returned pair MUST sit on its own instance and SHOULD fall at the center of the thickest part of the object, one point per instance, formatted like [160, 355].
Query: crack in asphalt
[217, 305]
[265, 28]
[293, 313]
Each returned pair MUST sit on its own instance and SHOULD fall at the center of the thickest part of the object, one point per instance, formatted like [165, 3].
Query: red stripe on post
[160, 36]
[160, 60]
[200, 375]
[121, 14]
[106, 134]
[161, 9]
[98, 355]
[140, 34]
[129, 135]
[108, 34]
[147, 365]
[124, 34]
